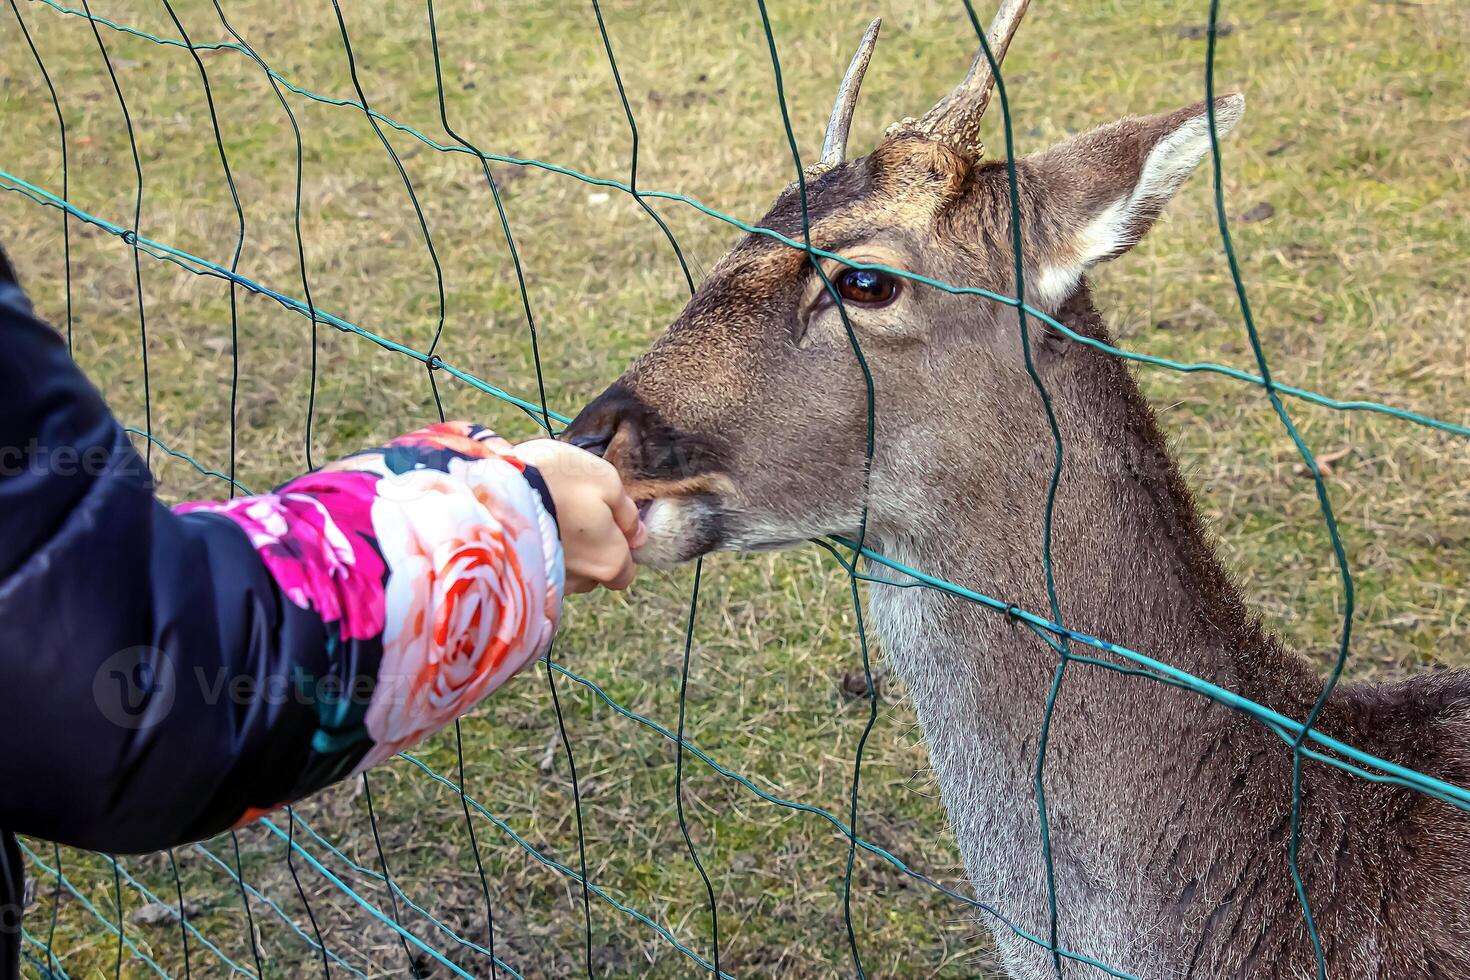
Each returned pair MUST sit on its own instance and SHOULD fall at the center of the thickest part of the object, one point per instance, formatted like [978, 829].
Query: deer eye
[867, 286]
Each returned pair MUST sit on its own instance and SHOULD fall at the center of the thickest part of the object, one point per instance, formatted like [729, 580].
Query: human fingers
[624, 576]
[625, 515]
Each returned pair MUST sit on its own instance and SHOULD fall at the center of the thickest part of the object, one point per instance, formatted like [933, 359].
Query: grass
[1354, 137]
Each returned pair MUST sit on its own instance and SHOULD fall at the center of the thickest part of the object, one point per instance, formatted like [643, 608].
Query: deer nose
[612, 415]
[593, 442]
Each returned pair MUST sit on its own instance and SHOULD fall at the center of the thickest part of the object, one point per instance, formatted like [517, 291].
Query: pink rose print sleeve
[314, 536]
[172, 672]
[435, 558]
[470, 597]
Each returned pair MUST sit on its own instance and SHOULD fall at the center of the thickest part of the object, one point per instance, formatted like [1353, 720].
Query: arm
[169, 674]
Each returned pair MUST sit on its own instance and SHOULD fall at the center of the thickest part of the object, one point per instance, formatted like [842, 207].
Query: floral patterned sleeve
[172, 672]
[434, 559]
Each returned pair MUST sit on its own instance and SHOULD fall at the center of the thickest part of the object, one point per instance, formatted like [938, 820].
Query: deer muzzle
[676, 478]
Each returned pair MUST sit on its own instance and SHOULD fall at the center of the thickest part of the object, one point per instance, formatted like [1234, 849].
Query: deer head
[745, 426]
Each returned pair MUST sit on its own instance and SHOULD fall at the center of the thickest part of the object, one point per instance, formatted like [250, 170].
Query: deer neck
[1132, 566]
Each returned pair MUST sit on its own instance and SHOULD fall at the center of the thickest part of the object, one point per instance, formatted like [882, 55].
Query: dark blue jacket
[165, 676]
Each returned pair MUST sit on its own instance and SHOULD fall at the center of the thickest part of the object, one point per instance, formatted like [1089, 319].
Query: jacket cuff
[556, 572]
[538, 483]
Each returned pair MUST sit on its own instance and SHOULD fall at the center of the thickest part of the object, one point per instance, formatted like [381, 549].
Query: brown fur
[1169, 814]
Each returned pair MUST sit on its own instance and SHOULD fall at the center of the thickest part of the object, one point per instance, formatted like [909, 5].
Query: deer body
[746, 426]
[1169, 819]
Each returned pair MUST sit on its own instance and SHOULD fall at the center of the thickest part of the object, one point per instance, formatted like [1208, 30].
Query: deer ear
[1095, 195]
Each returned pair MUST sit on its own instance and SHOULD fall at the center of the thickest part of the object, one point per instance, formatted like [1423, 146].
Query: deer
[745, 426]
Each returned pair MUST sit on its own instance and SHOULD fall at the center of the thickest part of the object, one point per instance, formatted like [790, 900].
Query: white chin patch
[676, 531]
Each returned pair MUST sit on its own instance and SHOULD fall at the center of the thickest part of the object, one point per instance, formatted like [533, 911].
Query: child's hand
[598, 521]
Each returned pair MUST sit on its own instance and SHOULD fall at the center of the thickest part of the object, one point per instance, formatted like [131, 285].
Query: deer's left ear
[1092, 197]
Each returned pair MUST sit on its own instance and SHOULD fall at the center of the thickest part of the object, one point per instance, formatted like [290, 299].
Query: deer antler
[834, 144]
[956, 117]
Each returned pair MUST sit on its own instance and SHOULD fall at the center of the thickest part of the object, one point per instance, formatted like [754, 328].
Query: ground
[1347, 184]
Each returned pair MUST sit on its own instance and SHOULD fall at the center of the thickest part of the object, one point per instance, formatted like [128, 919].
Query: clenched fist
[598, 521]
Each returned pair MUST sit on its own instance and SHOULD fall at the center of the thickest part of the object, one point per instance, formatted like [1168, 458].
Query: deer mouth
[686, 526]
[680, 528]
[683, 517]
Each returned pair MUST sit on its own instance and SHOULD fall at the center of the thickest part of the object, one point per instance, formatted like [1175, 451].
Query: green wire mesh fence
[428, 941]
